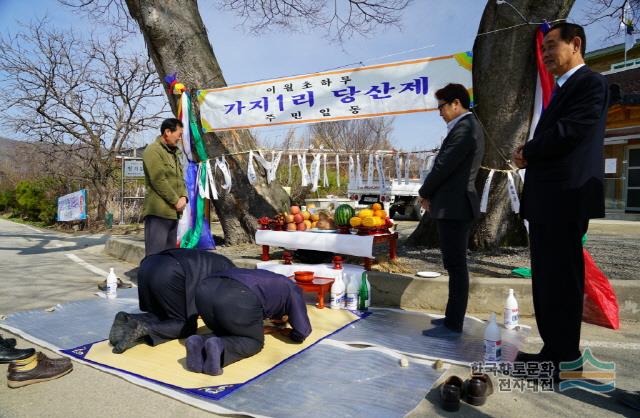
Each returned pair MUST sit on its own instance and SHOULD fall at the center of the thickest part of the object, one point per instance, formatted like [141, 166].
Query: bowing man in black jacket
[563, 189]
[449, 195]
[167, 283]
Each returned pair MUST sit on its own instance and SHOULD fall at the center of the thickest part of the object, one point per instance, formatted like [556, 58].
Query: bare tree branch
[85, 98]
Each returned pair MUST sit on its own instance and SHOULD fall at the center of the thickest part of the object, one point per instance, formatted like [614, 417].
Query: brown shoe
[47, 369]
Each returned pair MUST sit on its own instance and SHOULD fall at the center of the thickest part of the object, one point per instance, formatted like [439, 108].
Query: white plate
[428, 274]
[323, 231]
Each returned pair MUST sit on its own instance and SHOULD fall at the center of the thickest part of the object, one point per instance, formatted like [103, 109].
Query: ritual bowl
[303, 276]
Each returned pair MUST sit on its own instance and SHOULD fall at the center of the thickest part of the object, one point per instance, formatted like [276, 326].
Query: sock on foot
[213, 348]
[195, 353]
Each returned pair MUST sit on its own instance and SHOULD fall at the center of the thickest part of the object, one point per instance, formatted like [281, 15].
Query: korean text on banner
[378, 90]
[73, 206]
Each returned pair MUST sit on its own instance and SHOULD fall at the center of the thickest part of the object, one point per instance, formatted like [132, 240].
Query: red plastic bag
[600, 302]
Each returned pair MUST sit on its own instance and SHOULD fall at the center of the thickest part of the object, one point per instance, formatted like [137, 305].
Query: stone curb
[486, 294]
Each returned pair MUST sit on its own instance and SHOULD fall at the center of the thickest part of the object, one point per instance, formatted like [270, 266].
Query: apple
[302, 226]
[289, 219]
[297, 218]
[291, 227]
[295, 210]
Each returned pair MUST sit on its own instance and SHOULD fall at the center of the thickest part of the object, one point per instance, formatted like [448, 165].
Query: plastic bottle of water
[112, 285]
[337, 293]
[511, 312]
[352, 293]
[492, 341]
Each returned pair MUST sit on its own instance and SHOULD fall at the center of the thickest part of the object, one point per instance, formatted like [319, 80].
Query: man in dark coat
[563, 189]
[449, 195]
[233, 304]
[167, 284]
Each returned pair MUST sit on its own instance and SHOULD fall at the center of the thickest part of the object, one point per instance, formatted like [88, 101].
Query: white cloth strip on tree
[221, 164]
[290, 168]
[304, 174]
[338, 170]
[380, 164]
[213, 191]
[398, 163]
[315, 172]
[251, 171]
[325, 178]
[370, 168]
[185, 144]
[359, 182]
[513, 193]
[407, 166]
[352, 171]
[485, 192]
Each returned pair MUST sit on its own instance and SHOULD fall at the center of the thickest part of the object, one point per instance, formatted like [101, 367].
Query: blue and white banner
[364, 92]
[73, 206]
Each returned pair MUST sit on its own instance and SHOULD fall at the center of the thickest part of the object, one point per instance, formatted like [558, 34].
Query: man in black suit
[563, 189]
[449, 195]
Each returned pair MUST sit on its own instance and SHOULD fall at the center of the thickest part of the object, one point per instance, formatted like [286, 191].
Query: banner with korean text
[73, 206]
[364, 92]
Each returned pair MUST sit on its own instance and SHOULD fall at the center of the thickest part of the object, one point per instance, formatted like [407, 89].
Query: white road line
[597, 344]
[86, 265]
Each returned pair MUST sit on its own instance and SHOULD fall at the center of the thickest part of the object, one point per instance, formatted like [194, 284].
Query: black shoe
[9, 354]
[119, 328]
[133, 332]
[450, 393]
[7, 342]
[477, 389]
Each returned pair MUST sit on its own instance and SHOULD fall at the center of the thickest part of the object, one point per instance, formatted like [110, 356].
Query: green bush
[7, 200]
[35, 200]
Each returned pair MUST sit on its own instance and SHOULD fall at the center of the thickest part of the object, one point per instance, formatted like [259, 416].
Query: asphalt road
[39, 269]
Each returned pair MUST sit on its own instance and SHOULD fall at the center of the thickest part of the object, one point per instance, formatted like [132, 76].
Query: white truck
[398, 196]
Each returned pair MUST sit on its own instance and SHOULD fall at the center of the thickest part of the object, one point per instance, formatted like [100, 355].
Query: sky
[429, 28]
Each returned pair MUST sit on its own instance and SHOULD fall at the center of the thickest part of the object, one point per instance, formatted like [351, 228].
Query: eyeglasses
[440, 106]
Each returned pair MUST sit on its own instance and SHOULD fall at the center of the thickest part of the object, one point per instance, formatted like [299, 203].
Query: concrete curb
[486, 294]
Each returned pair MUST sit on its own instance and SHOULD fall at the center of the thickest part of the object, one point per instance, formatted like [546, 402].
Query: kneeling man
[233, 305]
[167, 284]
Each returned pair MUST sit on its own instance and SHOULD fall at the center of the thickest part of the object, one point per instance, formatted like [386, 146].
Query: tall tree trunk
[504, 79]
[177, 41]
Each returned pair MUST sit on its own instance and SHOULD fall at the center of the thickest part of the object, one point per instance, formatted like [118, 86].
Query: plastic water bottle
[112, 285]
[337, 293]
[352, 293]
[492, 341]
[511, 312]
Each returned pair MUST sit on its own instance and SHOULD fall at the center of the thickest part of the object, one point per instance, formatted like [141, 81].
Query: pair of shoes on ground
[45, 370]
[121, 285]
[204, 354]
[126, 331]
[441, 330]
[474, 391]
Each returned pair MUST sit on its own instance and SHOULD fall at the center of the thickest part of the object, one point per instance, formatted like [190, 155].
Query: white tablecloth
[361, 246]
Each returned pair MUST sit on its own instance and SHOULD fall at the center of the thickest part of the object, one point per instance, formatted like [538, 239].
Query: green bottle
[363, 294]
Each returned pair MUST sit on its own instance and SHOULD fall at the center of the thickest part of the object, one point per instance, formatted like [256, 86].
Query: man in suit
[449, 195]
[563, 189]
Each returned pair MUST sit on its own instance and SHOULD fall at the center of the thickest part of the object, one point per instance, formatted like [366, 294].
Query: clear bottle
[511, 312]
[352, 293]
[337, 293]
[112, 285]
[364, 293]
[492, 341]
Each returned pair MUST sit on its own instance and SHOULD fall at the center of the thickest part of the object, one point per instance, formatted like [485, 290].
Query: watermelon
[343, 214]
